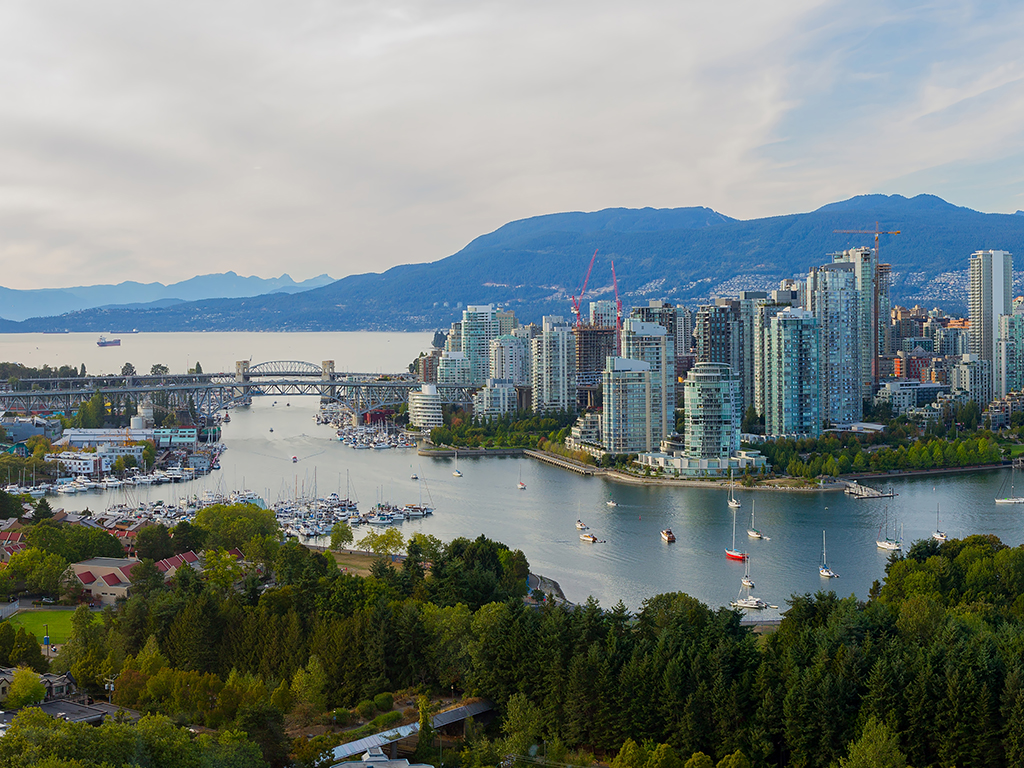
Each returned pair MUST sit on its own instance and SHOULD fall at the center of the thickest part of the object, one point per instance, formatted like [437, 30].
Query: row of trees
[513, 430]
[832, 458]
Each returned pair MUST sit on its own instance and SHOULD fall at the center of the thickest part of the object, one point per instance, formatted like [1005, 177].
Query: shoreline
[839, 484]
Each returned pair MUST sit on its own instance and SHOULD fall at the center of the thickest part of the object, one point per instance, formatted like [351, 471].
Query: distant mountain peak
[893, 203]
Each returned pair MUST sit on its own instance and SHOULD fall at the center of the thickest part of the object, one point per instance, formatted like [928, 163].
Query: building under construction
[594, 344]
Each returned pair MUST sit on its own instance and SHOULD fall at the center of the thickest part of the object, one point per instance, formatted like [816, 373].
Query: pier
[859, 491]
[572, 466]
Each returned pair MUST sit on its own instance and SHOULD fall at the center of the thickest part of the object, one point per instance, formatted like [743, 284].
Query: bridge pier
[357, 419]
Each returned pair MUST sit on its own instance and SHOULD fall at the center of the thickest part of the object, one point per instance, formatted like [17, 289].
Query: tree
[186, 537]
[42, 511]
[154, 543]
[264, 724]
[699, 760]
[341, 534]
[383, 543]
[231, 526]
[146, 579]
[877, 747]
[25, 651]
[128, 370]
[159, 369]
[221, 570]
[26, 688]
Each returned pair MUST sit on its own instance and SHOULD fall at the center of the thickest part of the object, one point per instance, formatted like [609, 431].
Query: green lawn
[1016, 450]
[33, 621]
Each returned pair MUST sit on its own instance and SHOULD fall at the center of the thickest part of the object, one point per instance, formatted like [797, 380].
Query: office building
[626, 419]
[553, 354]
[793, 391]
[990, 284]
[834, 301]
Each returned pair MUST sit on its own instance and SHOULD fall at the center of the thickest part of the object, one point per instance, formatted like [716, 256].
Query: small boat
[295, 459]
[589, 538]
[733, 501]
[668, 536]
[581, 526]
[105, 342]
[612, 503]
[521, 485]
[823, 569]
[227, 418]
[754, 603]
[414, 476]
[456, 473]
[938, 535]
[271, 429]
[732, 553]
[1012, 498]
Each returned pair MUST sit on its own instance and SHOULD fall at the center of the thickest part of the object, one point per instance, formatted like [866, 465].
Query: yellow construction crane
[876, 232]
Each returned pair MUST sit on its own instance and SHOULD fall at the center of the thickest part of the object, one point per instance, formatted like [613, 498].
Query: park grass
[357, 563]
[33, 621]
[1016, 450]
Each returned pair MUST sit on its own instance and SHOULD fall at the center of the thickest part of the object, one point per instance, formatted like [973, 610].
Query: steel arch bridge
[355, 393]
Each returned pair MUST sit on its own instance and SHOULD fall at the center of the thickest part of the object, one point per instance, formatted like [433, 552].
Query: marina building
[990, 276]
[425, 408]
[554, 366]
[793, 376]
[626, 420]
[835, 302]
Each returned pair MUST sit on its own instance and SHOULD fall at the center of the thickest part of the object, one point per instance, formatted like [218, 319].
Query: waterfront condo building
[655, 345]
[495, 399]
[1009, 376]
[835, 302]
[554, 366]
[991, 282]
[711, 403]
[425, 408]
[793, 387]
[626, 419]
[971, 379]
[510, 359]
[762, 328]
[453, 368]
[479, 328]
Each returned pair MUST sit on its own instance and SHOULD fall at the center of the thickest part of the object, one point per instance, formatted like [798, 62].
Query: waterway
[633, 563]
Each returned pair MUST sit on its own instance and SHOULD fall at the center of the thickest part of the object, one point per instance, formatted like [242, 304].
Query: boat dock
[859, 491]
[572, 466]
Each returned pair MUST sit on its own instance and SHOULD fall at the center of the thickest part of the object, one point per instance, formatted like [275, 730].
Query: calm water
[634, 563]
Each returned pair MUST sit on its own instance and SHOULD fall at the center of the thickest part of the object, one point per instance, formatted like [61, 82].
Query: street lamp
[109, 688]
[46, 639]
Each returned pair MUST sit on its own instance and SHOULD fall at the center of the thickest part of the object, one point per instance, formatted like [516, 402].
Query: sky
[155, 141]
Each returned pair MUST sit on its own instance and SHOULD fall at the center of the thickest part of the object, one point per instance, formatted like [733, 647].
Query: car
[48, 600]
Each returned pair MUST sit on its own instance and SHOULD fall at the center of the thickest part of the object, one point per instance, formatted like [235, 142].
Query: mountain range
[533, 266]
[21, 304]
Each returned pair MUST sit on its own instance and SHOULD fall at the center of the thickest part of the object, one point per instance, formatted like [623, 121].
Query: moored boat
[589, 538]
[668, 536]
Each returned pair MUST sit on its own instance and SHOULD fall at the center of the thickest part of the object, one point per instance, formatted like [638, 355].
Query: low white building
[425, 408]
[672, 459]
[585, 435]
[89, 464]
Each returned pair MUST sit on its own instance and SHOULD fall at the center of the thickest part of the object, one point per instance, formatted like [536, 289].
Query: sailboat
[732, 553]
[733, 501]
[521, 485]
[823, 569]
[746, 581]
[752, 532]
[938, 535]
[413, 476]
[456, 473]
[892, 545]
[1011, 499]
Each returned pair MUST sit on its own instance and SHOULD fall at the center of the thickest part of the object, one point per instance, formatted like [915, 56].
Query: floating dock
[859, 491]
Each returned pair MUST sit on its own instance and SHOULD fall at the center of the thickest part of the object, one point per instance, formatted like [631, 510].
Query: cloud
[156, 141]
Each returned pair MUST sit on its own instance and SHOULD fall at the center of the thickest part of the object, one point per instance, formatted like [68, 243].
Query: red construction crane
[577, 301]
[877, 320]
[618, 314]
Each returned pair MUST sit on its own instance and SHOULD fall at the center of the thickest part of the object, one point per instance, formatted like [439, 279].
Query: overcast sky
[154, 141]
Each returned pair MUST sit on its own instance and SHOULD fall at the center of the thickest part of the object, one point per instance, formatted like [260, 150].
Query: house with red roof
[105, 579]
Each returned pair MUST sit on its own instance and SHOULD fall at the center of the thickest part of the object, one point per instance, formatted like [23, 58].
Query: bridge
[354, 393]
